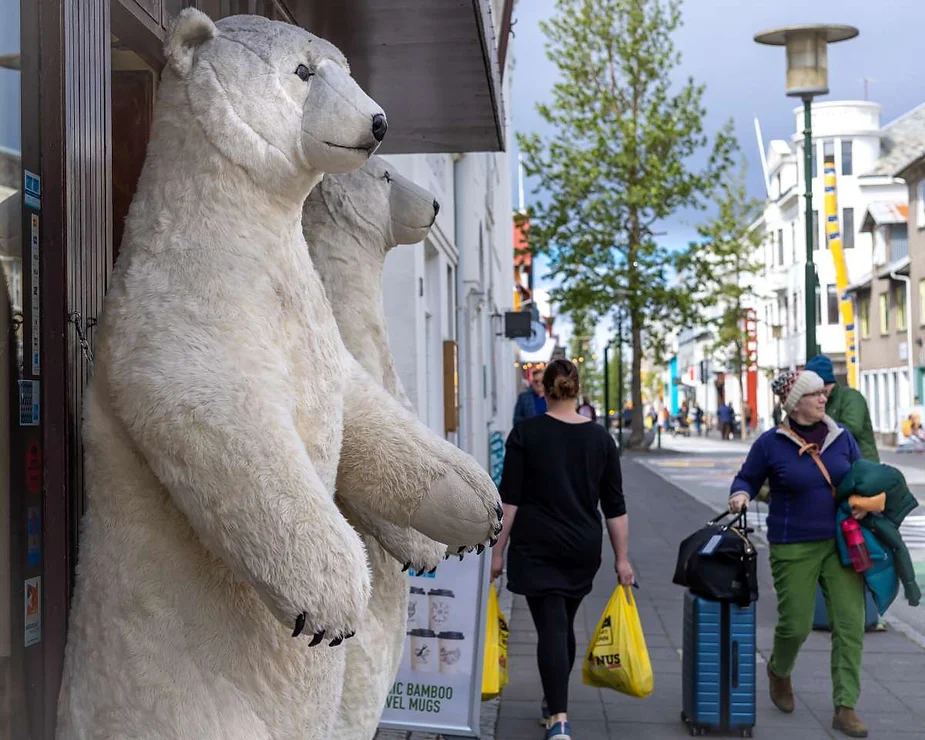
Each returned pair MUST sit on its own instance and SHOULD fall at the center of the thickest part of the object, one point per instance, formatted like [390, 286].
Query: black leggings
[554, 617]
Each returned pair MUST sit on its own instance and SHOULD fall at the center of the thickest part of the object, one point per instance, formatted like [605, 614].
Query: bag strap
[813, 450]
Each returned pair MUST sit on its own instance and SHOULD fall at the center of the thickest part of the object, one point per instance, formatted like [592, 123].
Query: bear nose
[436, 208]
[380, 126]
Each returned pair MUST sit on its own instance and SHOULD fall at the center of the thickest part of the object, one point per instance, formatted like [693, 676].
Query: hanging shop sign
[439, 684]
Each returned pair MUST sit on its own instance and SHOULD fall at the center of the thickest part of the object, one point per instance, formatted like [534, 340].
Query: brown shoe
[847, 721]
[781, 691]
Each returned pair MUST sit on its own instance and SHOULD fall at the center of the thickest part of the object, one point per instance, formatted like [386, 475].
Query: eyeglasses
[816, 394]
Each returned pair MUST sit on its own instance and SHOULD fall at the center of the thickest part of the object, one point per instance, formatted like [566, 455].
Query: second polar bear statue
[216, 576]
[351, 222]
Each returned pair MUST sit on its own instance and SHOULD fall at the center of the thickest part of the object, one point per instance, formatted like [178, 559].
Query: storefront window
[11, 299]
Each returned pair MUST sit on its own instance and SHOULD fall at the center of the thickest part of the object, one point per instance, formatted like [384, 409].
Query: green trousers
[797, 568]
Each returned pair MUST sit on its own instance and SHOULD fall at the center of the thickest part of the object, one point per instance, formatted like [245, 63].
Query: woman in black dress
[558, 469]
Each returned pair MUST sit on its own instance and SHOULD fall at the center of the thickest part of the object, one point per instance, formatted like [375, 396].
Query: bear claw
[299, 625]
[407, 566]
[480, 549]
[316, 640]
[432, 571]
[336, 641]
[492, 542]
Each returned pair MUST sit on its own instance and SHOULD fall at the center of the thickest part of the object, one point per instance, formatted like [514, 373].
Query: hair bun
[560, 381]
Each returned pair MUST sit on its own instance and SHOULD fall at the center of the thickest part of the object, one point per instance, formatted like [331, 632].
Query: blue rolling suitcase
[821, 617]
[718, 679]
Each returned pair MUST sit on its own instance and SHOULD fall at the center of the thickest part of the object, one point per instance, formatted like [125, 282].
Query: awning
[433, 67]
[881, 212]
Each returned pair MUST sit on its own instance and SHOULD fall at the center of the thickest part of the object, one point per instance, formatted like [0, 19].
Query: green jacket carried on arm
[868, 479]
[849, 408]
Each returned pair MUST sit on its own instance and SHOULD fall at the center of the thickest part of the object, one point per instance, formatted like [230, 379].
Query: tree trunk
[636, 381]
[743, 432]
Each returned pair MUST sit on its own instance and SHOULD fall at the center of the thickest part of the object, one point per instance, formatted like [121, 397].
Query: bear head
[271, 97]
[376, 204]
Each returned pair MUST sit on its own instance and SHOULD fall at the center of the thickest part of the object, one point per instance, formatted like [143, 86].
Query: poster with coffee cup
[439, 683]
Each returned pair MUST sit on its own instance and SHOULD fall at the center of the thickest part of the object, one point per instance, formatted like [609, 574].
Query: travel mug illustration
[441, 609]
[450, 644]
[417, 609]
[423, 651]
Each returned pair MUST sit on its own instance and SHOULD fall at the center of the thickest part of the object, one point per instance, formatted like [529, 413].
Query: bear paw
[463, 512]
[319, 636]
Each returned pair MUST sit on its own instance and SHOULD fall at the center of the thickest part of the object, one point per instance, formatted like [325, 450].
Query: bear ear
[190, 31]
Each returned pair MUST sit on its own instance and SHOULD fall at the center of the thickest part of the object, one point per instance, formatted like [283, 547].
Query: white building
[851, 131]
[448, 295]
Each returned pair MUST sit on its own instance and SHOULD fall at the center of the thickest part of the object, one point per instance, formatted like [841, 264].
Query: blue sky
[743, 79]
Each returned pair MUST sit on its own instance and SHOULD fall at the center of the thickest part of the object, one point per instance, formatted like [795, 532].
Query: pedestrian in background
[698, 419]
[803, 460]
[847, 407]
[587, 409]
[531, 402]
[559, 470]
[726, 416]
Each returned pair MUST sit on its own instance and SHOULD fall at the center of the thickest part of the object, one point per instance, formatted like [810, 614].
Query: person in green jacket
[847, 407]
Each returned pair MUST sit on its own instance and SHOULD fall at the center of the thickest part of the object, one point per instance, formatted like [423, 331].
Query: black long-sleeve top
[560, 476]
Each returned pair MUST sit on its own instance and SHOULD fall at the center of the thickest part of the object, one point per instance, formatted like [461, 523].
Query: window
[832, 296]
[780, 246]
[815, 164]
[828, 150]
[796, 312]
[884, 306]
[922, 302]
[864, 311]
[847, 166]
[899, 300]
[818, 306]
[793, 241]
[847, 228]
[816, 243]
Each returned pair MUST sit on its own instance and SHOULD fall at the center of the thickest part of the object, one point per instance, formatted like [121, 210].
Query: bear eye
[387, 176]
[303, 72]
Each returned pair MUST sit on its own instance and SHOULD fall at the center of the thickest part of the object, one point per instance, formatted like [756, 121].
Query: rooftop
[903, 142]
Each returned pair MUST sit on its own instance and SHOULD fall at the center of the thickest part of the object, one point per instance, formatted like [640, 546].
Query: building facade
[851, 133]
[890, 298]
[78, 80]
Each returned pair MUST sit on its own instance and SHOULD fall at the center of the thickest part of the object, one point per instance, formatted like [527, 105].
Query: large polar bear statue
[351, 222]
[216, 575]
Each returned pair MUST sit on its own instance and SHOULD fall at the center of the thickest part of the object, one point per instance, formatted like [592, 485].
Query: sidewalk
[893, 692]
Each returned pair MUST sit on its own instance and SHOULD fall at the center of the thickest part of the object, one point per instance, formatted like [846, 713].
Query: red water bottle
[857, 549]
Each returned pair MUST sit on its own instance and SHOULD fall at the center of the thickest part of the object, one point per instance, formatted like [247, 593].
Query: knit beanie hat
[791, 386]
[822, 366]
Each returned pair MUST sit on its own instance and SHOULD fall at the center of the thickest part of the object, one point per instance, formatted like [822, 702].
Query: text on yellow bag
[617, 656]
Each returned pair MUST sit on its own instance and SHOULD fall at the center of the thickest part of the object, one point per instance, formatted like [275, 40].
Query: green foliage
[618, 163]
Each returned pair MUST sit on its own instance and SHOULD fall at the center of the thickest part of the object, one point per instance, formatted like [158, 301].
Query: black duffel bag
[719, 562]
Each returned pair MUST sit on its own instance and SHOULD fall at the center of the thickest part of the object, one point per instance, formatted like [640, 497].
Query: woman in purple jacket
[801, 533]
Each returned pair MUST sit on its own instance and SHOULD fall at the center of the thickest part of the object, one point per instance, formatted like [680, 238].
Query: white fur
[222, 407]
[351, 222]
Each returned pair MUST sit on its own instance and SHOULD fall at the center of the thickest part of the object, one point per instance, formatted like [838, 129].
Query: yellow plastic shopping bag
[617, 656]
[494, 670]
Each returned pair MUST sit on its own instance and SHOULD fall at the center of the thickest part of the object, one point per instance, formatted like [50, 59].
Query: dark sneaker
[781, 691]
[559, 731]
[847, 721]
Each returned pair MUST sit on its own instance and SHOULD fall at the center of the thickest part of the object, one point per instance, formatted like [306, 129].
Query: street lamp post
[807, 77]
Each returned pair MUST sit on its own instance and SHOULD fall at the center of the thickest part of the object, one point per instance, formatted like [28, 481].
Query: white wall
[455, 286]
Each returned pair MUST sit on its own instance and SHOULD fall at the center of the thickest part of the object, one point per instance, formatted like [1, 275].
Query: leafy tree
[721, 268]
[620, 161]
[580, 347]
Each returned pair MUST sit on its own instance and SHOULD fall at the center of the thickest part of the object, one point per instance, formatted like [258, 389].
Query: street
[893, 693]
